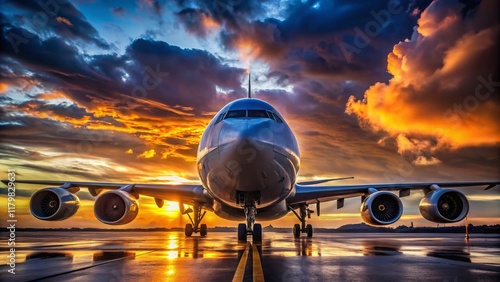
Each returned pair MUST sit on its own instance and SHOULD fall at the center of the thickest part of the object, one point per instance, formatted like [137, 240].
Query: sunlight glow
[171, 208]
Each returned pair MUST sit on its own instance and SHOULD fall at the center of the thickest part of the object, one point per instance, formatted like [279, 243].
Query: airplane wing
[184, 193]
[307, 194]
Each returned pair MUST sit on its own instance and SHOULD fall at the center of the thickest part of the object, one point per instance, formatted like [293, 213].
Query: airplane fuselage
[248, 149]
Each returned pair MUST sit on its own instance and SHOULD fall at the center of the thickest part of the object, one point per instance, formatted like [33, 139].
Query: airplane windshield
[257, 114]
[236, 114]
[253, 114]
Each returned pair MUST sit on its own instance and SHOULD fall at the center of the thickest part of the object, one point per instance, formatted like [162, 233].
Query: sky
[397, 91]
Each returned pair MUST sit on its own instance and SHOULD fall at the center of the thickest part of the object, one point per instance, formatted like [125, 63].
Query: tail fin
[249, 86]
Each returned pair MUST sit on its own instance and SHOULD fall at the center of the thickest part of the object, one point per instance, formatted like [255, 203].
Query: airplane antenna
[249, 86]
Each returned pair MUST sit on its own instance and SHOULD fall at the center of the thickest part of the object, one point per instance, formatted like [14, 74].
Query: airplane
[248, 160]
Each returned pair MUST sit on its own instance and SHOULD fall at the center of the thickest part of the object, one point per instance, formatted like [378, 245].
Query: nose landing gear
[249, 202]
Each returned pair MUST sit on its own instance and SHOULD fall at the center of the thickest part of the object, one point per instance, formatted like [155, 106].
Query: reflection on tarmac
[452, 254]
[143, 256]
[381, 247]
[100, 256]
[303, 247]
[48, 255]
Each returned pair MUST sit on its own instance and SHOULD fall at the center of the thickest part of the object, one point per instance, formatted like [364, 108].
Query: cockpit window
[277, 118]
[257, 114]
[220, 117]
[236, 114]
[251, 114]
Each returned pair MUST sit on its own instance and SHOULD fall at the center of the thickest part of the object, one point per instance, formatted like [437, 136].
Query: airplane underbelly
[274, 211]
[262, 170]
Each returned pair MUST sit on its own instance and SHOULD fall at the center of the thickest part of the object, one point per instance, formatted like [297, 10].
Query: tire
[242, 232]
[188, 230]
[203, 230]
[309, 231]
[257, 232]
[296, 231]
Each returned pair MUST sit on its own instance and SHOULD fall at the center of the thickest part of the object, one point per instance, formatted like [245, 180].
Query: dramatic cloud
[336, 40]
[197, 22]
[445, 76]
[61, 18]
[158, 95]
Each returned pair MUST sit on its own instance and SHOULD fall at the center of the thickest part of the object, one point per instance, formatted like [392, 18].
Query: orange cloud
[256, 42]
[209, 23]
[64, 21]
[129, 152]
[3, 87]
[51, 95]
[441, 93]
[147, 154]
[248, 50]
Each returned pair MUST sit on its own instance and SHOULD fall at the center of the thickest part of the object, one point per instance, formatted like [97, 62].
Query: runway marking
[240, 270]
[258, 274]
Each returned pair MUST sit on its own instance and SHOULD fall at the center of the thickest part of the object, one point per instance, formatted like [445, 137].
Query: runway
[170, 256]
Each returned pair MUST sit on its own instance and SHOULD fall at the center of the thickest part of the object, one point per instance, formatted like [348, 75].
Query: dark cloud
[195, 21]
[340, 40]
[149, 70]
[111, 102]
[62, 18]
[45, 53]
[62, 110]
[227, 10]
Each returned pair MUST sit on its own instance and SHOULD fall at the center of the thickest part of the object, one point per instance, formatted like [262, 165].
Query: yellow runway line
[240, 270]
[258, 275]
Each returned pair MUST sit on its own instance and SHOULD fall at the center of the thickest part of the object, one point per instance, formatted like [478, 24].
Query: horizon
[122, 93]
[441, 225]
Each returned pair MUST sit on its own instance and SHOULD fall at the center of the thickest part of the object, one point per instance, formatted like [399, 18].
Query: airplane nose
[257, 131]
[247, 142]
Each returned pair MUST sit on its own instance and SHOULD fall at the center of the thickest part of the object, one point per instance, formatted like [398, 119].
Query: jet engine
[381, 208]
[444, 206]
[116, 207]
[54, 204]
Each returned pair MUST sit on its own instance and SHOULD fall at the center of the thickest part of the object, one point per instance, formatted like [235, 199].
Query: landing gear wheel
[296, 231]
[188, 230]
[203, 230]
[257, 232]
[309, 231]
[242, 232]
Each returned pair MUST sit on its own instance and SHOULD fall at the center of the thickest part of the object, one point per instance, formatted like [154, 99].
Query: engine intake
[116, 207]
[444, 206]
[381, 208]
[54, 204]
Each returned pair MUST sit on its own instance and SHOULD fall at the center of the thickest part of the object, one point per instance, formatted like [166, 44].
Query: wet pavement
[170, 256]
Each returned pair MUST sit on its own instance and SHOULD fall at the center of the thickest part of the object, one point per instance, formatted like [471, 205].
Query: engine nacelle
[444, 206]
[116, 207]
[381, 208]
[53, 204]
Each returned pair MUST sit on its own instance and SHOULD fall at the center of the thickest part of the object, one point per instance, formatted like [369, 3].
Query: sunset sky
[385, 92]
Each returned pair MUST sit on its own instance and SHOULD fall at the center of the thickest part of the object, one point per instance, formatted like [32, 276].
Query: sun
[171, 208]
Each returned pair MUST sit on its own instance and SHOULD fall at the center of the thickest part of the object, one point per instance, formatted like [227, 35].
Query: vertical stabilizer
[249, 86]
